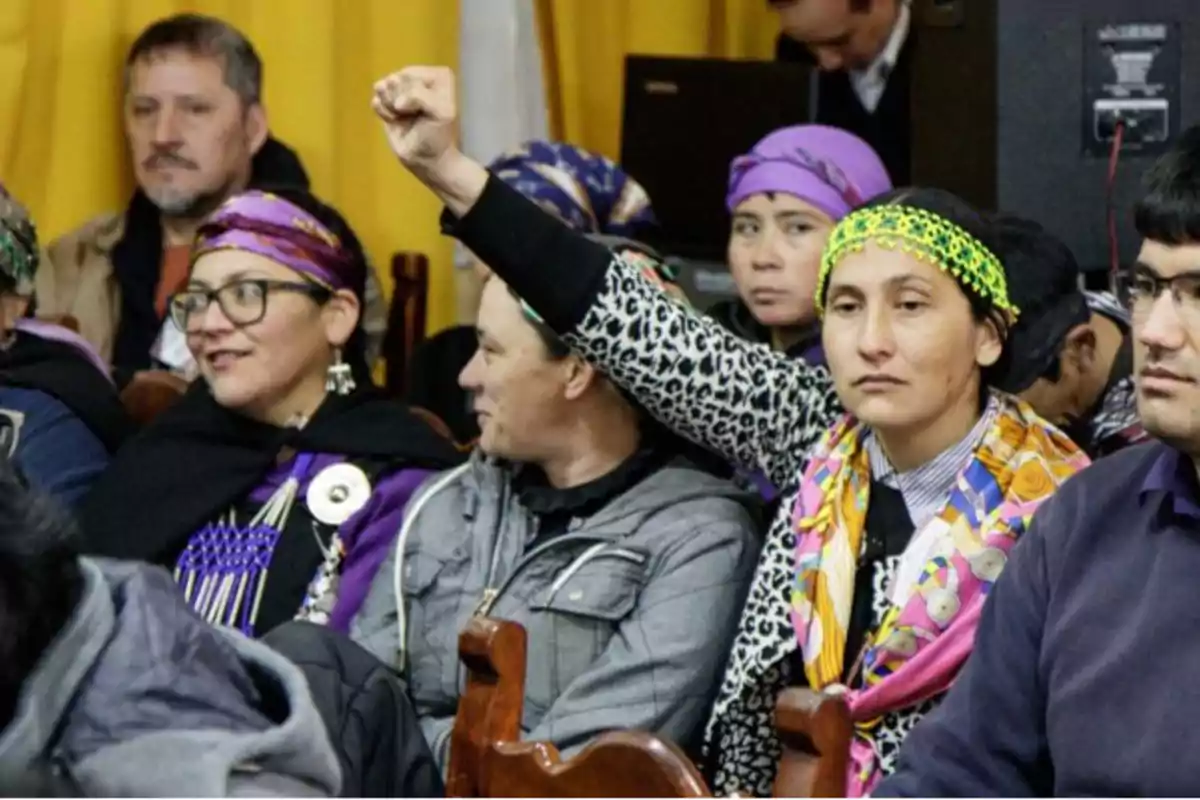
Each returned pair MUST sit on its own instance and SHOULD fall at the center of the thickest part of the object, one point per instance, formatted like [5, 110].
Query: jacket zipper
[492, 593]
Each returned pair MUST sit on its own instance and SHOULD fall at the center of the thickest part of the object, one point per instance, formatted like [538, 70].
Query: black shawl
[199, 458]
[61, 371]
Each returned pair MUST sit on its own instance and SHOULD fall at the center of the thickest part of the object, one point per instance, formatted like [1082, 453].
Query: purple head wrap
[266, 224]
[831, 168]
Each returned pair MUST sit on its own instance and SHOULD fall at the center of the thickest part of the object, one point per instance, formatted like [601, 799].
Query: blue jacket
[49, 445]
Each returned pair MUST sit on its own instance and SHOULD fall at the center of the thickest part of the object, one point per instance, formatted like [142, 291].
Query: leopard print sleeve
[759, 409]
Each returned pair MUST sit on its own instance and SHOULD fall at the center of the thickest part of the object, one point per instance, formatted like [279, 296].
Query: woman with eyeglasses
[274, 488]
[785, 196]
[899, 515]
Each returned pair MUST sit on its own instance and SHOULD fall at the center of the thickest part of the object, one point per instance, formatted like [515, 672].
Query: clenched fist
[419, 113]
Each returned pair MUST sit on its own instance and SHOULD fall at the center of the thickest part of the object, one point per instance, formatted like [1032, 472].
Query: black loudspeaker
[1016, 104]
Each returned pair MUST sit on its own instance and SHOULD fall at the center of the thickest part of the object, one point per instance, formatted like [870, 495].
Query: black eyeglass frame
[179, 316]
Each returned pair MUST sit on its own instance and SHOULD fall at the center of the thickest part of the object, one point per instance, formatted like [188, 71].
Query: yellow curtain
[584, 44]
[62, 150]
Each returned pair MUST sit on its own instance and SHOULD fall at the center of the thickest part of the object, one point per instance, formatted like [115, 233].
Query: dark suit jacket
[888, 129]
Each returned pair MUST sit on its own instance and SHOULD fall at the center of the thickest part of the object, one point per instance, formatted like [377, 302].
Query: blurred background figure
[864, 51]
[110, 685]
[60, 416]
[1072, 350]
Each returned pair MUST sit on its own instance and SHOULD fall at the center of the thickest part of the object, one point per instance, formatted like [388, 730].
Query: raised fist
[419, 113]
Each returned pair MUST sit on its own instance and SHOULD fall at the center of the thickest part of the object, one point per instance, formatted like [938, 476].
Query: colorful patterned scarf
[945, 574]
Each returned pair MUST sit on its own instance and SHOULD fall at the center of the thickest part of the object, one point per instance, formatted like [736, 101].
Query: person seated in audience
[1079, 683]
[899, 516]
[112, 687]
[197, 133]
[1073, 349]
[586, 191]
[60, 416]
[274, 487]
[785, 196]
[579, 518]
[865, 52]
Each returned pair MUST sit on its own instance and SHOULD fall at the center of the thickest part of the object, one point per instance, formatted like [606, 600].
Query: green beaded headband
[927, 236]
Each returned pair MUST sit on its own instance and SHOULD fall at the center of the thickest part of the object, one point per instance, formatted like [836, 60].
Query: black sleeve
[555, 269]
[756, 408]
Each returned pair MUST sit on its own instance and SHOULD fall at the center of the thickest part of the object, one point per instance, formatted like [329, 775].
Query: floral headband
[927, 236]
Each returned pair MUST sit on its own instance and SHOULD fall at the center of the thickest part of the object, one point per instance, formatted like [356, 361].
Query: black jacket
[889, 128]
[365, 705]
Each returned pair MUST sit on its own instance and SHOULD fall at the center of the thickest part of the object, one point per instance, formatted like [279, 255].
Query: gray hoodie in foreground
[137, 697]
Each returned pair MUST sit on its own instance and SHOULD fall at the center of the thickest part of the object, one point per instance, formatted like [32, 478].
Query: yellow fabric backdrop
[62, 150]
[584, 43]
[63, 153]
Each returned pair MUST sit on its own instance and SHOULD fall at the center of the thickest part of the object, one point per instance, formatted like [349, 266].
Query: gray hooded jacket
[137, 697]
[630, 613]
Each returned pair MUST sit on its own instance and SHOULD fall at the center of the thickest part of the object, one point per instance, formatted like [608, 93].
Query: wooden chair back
[815, 730]
[406, 317]
[488, 758]
[150, 393]
[493, 652]
[616, 764]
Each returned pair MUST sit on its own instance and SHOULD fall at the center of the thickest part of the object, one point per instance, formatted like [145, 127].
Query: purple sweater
[1082, 680]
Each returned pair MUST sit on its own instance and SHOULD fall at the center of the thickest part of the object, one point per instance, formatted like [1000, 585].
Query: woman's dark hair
[355, 351]
[958, 211]
[1169, 209]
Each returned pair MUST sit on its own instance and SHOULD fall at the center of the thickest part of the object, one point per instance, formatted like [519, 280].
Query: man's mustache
[159, 160]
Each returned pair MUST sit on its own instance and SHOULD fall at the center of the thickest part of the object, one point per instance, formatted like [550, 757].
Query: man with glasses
[1081, 679]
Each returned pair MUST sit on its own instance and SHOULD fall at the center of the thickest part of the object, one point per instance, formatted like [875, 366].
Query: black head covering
[1043, 281]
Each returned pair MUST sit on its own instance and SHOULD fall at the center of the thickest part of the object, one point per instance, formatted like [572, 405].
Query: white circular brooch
[337, 493]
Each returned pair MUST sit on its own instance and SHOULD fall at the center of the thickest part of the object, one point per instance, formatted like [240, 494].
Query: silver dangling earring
[340, 379]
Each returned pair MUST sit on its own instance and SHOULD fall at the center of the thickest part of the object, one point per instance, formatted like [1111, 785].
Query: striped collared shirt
[926, 488]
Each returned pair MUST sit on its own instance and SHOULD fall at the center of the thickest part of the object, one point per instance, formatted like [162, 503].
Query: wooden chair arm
[815, 730]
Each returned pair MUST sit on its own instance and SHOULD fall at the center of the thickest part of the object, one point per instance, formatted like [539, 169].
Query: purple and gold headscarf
[588, 192]
[266, 224]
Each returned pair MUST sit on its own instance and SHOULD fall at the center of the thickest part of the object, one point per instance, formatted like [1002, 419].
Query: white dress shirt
[870, 83]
